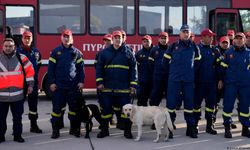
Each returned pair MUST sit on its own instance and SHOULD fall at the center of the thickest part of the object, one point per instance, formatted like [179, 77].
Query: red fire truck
[91, 19]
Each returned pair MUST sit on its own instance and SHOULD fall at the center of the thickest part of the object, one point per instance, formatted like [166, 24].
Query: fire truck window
[160, 15]
[1, 21]
[57, 15]
[226, 21]
[198, 12]
[244, 15]
[118, 15]
[21, 21]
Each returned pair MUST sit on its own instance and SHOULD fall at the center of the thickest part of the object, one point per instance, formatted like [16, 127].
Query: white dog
[147, 116]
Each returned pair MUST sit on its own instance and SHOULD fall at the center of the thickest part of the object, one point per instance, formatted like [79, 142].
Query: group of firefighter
[182, 72]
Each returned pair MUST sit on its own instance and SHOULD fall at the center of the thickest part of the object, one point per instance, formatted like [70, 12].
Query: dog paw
[156, 140]
[166, 139]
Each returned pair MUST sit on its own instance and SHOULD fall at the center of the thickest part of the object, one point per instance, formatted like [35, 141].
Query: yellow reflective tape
[150, 58]
[134, 83]
[244, 115]
[106, 90]
[218, 59]
[209, 110]
[79, 60]
[117, 66]
[124, 116]
[198, 58]
[107, 116]
[171, 110]
[55, 114]
[223, 64]
[188, 111]
[52, 59]
[122, 91]
[39, 62]
[248, 67]
[72, 113]
[227, 114]
[116, 108]
[99, 79]
[197, 110]
[63, 109]
[167, 56]
[32, 112]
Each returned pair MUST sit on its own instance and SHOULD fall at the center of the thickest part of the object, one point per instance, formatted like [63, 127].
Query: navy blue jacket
[144, 72]
[34, 56]
[155, 60]
[208, 67]
[237, 66]
[66, 67]
[116, 69]
[180, 60]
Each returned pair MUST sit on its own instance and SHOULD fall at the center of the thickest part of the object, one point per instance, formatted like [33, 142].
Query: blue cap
[185, 27]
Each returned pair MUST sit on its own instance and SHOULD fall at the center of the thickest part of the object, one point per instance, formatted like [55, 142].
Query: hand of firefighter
[53, 87]
[100, 87]
[132, 90]
[80, 86]
[30, 90]
[220, 85]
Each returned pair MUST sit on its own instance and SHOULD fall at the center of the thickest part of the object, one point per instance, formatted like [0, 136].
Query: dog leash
[91, 144]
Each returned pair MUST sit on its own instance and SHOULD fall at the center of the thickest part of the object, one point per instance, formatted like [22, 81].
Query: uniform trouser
[17, 109]
[110, 100]
[159, 87]
[32, 102]
[174, 89]
[143, 93]
[205, 91]
[59, 100]
[231, 93]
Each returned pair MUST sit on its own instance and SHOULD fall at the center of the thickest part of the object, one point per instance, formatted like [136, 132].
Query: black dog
[85, 115]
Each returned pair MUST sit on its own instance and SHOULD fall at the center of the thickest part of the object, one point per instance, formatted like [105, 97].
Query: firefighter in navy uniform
[248, 39]
[34, 56]
[144, 73]
[236, 66]
[223, 46]
[206, 76]
[116, 79]
[12, 88]
[181, 59]
[66, 77]
[160, 75]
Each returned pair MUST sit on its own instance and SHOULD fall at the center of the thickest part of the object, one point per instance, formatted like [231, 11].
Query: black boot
[75, 128]
[104, 129]
[33, 124]
[127, 130]
[209, 128]
[196, 129]
[2, 139]
[55, 131]
[191, 131]
[228, 133]
[245, 131]
[61, 121]
[171, 135]
[18, 138]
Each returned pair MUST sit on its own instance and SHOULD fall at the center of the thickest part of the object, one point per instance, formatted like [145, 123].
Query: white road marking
[53, 141]
[182, 144]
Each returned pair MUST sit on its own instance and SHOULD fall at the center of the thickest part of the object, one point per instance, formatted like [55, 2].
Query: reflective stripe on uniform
[79, 60]
[244, 115]
[2, 67]
[32, 113]
[209, 109]
[223, 64]
[227, 114]
[124, 116]
[11, 93]
[10, 73]
[134, 83]
[248, 67]
[116, 108]
[99, 79]
[116, 91]
[30, 79]
[188, 111]
[63, 109]
[72, 113]
[52, 59]
[197, 110]
[171, 110]
[117, 66]
[167, 56]
[55, 114]
[27, 65]
[107, 116]
[150, 58]
[198, 58]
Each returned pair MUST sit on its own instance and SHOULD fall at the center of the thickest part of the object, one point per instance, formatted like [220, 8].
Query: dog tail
[169, 121]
